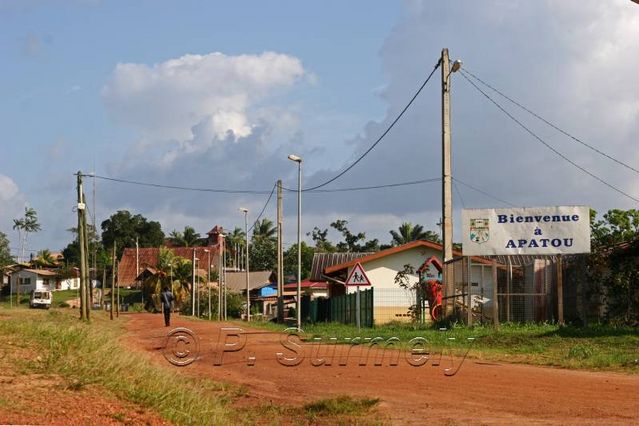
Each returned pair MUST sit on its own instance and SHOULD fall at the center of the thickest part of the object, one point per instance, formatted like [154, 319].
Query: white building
[27, 280]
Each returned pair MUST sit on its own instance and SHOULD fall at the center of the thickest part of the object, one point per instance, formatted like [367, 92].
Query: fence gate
[343, 308]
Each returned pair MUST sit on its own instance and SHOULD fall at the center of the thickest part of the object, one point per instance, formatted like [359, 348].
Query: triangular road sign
[357, 276]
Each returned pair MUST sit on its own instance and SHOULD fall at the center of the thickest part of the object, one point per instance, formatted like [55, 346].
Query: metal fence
[341, 309]
[524, 289]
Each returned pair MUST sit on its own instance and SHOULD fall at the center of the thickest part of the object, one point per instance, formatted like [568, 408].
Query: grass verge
[596, 347]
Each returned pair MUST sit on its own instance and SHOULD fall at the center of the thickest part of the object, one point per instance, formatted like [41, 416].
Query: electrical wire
[459, 193]
[546, 144]
[180, 188]
[379, 139]
[484, 192]
[263, 208]
[549, 123]
[365, 188]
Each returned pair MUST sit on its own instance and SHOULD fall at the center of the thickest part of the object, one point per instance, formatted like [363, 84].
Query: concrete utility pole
[208, 279]
[219, 281]
[298, 160]
[447, 192]
[280, 256]
[81, 207]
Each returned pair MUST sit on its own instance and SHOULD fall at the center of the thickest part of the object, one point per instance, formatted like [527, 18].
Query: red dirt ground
[480, 393]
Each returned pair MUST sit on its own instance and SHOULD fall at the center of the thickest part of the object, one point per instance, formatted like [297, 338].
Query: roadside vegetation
[55, 345]
[596, 347]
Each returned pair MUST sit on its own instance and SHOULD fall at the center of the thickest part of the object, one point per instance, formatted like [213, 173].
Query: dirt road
[478, 393]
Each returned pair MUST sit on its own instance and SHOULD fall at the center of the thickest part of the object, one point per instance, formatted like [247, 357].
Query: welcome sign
[526, 230]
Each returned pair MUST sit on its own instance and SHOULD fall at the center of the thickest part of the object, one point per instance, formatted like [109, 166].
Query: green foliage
[263, 254]
[408, 232]
[187, 238]
[290, 260]
[5, 251]
[343, 404]
[612, 268]
[320, 238]
[353, 242]
[124, 227]
[264, 230]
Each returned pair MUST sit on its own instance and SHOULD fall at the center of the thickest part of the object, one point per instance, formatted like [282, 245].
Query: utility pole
[219, 281]
[193, 286]
[447, 194]
[280, 256]
[81, 207]
[208, 279]
[248, 291]
[112, 283]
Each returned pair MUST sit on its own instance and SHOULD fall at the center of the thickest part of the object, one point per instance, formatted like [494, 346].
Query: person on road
[167, 302]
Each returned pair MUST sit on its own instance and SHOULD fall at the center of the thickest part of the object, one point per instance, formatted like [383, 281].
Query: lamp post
[248, 293]
[447, 194]
[298, 160]
[193, 285]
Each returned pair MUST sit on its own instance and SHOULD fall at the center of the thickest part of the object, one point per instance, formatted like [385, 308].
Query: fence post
[495, 297]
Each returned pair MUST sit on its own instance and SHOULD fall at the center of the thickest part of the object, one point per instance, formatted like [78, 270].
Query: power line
[180, 188]
[365, 188]
[263, 208]
[549, 123]
[546, 144]
[459, 193]
[483, 192]
[379, 139]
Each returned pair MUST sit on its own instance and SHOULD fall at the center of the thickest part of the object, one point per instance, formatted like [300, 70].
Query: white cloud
[167, 100]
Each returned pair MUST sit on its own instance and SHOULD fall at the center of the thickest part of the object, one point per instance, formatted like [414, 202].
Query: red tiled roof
[148, 257]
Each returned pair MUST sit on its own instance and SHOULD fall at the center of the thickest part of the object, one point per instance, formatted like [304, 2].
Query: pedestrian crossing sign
[358, 277]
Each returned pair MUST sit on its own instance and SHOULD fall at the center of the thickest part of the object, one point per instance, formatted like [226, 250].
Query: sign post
[357, 278]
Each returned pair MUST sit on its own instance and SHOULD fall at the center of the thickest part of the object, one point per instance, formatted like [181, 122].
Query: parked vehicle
[40, 299]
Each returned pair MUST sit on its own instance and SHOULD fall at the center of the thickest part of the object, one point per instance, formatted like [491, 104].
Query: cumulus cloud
[12, 201]
[570, 61]
[213, 92]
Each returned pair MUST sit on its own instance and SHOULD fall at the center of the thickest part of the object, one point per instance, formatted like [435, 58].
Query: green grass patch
[596, 347]
[343, 404]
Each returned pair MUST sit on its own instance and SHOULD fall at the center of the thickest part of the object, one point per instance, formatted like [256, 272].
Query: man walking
[167, 302]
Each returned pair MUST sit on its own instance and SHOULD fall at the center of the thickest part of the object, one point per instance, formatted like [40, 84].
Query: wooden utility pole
[447, 194]
[113, 282]
[280, 256]
[81, 207]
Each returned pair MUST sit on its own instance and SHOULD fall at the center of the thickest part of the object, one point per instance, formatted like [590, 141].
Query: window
[25, 280]
[45, 281]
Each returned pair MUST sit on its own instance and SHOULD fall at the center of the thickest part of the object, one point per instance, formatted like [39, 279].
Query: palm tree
[25, 226]
[44, 259]
[264, 230]
[188, 238]
[235, 242]
[409, 232]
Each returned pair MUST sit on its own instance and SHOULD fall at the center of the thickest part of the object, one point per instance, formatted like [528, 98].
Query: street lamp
[208, 279]
[298, 160]
[248, 294]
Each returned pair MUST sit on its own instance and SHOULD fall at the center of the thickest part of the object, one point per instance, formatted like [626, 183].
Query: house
[262, 289]
[391, 302]
[26, 280]
[135, 261]
[314, 289]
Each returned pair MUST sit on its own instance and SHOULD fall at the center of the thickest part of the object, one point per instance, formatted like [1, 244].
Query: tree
[290, 260]
[44, 259]
[611, 267]
[264, 230]
[408, 232]
[263, 254]
[320, 237]
[26, 225]
[5, 251]
[124, 228]
[235, 242]
[351, 241]
[188, 238]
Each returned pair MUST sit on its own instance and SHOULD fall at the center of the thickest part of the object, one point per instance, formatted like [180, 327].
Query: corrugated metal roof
[236, 281]
[322, 261]
[521, 259]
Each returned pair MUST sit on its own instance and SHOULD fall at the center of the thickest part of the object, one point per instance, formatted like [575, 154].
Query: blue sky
[344, 70]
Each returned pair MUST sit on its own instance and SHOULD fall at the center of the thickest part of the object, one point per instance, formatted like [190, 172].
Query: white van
[40, 299]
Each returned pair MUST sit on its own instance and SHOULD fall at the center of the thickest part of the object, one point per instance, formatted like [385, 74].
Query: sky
[213, 94]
